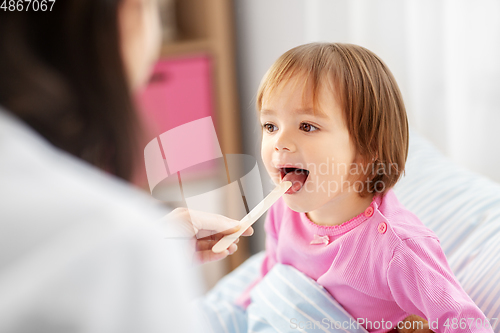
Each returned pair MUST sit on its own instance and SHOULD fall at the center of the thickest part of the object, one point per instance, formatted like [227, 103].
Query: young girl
[334, 123]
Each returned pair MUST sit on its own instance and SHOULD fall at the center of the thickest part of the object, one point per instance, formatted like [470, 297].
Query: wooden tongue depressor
[253, 216]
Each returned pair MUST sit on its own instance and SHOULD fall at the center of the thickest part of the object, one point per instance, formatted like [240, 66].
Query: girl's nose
[284, 143]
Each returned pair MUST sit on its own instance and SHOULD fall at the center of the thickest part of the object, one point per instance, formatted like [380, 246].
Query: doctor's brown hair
[62, 73]
[369, 96]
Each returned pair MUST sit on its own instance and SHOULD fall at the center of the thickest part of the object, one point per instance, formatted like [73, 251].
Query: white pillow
[463, 209]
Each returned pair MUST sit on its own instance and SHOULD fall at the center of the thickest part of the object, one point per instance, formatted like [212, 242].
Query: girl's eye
[269, 127]
[306, 127]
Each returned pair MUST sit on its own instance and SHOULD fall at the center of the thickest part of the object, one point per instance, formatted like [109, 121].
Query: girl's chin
[297, 205]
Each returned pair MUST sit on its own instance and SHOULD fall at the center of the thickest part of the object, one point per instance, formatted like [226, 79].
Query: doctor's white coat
[81, 251]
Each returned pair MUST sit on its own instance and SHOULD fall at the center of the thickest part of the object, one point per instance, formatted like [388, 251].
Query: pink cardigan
[383, 264]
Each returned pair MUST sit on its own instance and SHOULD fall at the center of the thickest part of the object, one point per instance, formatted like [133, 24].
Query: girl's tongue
[297, 177]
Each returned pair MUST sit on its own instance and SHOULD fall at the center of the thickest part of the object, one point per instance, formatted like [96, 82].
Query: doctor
[80, 249]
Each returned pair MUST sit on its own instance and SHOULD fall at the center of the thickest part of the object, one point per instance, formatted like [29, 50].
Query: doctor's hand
[207, 229]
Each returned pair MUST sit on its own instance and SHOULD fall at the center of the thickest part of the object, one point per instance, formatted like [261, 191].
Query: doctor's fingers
[208, 255]
[208, 223]
[207, 244]
[248, 232]
[205, 234]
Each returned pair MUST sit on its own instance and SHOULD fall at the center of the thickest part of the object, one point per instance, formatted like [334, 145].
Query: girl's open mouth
[297, 176]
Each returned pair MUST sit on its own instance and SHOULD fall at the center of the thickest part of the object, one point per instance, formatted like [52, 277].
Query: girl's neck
[340, 209]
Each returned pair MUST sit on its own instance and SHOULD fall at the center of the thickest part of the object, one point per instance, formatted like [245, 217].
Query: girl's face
[319, 142]
[140, 35]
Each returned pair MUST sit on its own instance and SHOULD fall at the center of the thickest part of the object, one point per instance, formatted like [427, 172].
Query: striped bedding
[286, 300]
[461, 207]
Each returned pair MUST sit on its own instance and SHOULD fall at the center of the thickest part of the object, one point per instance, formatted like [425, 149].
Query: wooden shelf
[186, 47]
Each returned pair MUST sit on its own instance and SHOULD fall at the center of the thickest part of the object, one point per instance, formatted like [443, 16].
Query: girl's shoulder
[401, 222]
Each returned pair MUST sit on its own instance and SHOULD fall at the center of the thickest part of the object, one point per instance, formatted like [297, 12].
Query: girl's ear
[359, 164]
[366, 163]
[359, 159]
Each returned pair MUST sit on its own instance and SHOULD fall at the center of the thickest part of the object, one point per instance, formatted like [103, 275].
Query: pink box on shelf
[179, 92]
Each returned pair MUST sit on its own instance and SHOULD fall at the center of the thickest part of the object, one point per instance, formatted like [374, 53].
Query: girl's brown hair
[61, 72]
[366, 90]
